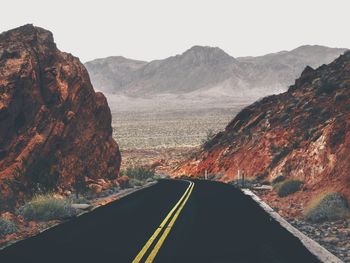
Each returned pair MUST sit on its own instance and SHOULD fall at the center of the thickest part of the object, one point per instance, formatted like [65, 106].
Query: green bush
[139, 173]
[47, 207]
[327, 206]
[287, 187]
[7, 227]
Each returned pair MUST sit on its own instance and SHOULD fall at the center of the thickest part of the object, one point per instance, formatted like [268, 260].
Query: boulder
[54, 128]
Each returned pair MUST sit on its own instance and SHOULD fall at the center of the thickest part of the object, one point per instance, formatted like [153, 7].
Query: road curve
[180, 221]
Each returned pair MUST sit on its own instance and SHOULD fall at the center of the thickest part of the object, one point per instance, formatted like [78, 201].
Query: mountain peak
[114, 59]
[205, 49]
[207, 53]
[198, 48]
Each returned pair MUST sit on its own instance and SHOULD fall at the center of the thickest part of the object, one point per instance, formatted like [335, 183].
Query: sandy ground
[163, 160]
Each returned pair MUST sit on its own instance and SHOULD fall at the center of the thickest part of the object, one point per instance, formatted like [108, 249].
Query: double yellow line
[178, 207]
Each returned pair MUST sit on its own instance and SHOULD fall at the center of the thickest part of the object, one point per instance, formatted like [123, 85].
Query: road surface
[172, 221]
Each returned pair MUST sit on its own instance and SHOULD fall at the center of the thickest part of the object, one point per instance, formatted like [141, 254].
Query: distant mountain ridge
[207, 70]
[283, 67]
[111, 73]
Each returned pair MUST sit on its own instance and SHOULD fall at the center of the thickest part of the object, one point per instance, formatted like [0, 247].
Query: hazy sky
[155, 29]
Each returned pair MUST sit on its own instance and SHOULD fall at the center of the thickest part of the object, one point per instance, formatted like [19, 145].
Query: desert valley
[76, 136]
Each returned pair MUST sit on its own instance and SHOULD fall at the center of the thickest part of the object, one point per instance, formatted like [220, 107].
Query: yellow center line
[167, 230]
[161, 226]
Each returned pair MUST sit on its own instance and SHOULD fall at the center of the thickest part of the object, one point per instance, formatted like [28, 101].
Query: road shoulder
[315, 248]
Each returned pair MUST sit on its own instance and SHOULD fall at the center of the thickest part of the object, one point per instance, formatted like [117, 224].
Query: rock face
[207, 71]
[53, 127]
[303, 133]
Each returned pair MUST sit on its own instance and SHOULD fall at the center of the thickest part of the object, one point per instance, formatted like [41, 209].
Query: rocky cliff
[53, 127]
[303, 133]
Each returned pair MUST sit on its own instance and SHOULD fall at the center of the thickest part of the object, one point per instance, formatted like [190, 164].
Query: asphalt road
[200, 222]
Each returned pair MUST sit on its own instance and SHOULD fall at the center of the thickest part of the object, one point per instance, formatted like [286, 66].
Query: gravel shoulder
[332, 235]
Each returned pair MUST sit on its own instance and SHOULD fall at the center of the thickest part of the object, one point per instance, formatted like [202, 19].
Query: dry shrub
[47, 207]
[7, 227]
[327, 206]
[287, 187]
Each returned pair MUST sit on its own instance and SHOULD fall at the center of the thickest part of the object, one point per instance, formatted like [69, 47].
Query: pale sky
[156, 29]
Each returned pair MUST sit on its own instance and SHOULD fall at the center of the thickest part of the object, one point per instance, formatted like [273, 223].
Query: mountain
[280, 69]
[112, 73]
[196, 68]
[302, 134]
[54, 128]
[207, 71]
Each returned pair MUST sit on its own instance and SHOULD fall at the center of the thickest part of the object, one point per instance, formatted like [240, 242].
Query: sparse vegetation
[173, 128]
[210, 134]
[47, 207]
[135, 182]
[139, 173]
[124, 182]
[247, 183]
[261, 177]
[138, 176]
[7, 227]
[287, 187]
[327, 206]
[215, 177]
[278, 179]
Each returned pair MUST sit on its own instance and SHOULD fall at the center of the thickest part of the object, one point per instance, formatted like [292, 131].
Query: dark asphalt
[218, 224]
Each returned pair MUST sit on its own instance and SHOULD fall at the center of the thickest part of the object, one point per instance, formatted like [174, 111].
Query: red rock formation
[53, 126]
[303, 133]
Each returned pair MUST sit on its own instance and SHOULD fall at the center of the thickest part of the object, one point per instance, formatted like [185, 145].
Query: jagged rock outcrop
[303, 133]
[53, 127]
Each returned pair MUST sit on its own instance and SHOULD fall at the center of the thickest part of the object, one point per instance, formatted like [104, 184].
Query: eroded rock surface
[303, 134]
[54, 128]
